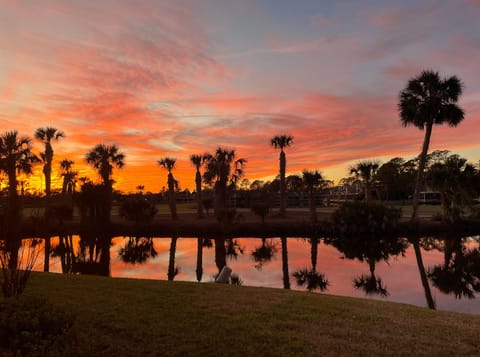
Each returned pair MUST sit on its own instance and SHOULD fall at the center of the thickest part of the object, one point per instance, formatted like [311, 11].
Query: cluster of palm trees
[426, 100]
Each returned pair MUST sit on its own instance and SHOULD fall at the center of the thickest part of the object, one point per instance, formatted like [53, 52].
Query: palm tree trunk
[171, 260]
[47, 170]
[286, 276]
[220, 197]
[171, 196]
[423, 274]
[199, 269]
[220, 254]
[421, 168]
[104, 263]
[368, 193]
[314, 252]
[198, 184]
[312, 205]
[283, 198]
[46, 261]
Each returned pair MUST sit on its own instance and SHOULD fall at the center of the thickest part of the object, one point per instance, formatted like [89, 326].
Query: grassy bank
[138, 317]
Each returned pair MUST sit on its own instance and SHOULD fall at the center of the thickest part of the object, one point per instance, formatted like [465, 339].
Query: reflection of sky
[400, 275]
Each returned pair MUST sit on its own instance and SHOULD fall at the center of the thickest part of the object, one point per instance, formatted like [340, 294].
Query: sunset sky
[173, 78]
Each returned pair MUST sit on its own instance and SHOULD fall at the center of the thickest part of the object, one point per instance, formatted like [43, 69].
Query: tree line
[426, 100]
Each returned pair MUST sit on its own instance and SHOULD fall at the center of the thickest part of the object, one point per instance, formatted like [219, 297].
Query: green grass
[140, 317]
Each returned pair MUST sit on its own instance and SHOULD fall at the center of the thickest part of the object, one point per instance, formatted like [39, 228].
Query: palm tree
[365, 172]
[221, 170]
[103, 158]
[426, 100]
[69, 177]
[286, 276]
[282, 141]
[168, 164]
[15, 157]
[46, 135]
[312, 180]
[198, 161]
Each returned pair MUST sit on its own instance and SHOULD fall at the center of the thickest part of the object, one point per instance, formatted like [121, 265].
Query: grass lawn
[139, 317]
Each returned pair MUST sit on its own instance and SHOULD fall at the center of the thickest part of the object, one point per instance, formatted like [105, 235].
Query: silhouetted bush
[138, 209]
[34, 328]
[261, 209]
[365, 218]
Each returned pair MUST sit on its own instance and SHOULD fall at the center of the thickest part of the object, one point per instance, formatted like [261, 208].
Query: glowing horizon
[159, 79]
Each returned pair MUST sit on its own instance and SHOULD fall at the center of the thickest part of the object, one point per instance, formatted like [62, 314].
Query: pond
[392, 272]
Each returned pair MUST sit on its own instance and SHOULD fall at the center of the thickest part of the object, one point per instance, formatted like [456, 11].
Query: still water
[391, 274]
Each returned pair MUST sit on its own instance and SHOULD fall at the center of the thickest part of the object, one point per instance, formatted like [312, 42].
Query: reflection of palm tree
[198, 161]
[423, 274]
[370, 248]
[46, 135]
[172, 269]
[137, 250]
[460, 272]
[370, 284]
[199, 269]
[168, 164]
[265, 253]
[427, 100]
[220, 253]
[311, 278]
[282, 141]
[365, 171]
[286, 276]
[64, 250]
[94, 255]
[226, 247]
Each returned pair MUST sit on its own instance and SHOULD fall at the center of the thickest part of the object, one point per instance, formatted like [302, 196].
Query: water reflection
[370, 249]
[264, 253]
[459, 274]
[394, 262]
[137, 250]
[311, 279]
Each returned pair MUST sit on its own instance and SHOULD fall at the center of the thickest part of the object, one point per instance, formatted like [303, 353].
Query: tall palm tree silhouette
[15, 157]
[46, 135]
[168, 164]
[69, 177]
[104, 158]
[312, 180]
[222, 169]
[198, 161]
[365, 172]
[282, 141]
[427, 100]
